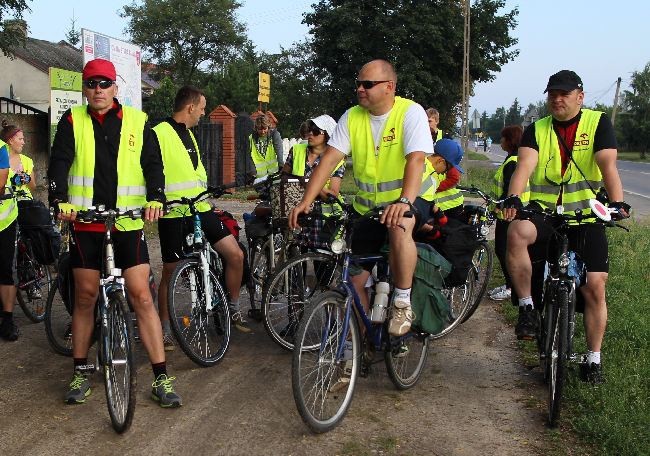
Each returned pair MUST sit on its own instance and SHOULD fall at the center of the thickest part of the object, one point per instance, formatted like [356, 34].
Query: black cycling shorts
[8, 256]
[588, 240]
[172, 233]
[87, 249]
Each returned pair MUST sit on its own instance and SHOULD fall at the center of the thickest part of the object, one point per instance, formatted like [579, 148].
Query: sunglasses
[315, 131]
[93, 83]
[368, 84]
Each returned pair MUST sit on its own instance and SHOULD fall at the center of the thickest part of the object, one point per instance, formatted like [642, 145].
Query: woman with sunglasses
[303, 159]
[510, 140]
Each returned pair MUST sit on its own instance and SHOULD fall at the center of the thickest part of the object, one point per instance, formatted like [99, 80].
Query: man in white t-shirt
[388, 138]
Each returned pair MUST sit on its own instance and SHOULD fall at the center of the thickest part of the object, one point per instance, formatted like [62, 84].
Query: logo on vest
[391, 137]
[132, 140]
[583, 141]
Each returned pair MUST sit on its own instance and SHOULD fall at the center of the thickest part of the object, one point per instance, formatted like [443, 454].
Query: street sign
[264, 88]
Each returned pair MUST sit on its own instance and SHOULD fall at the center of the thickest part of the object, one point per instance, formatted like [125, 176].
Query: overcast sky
[600, 40]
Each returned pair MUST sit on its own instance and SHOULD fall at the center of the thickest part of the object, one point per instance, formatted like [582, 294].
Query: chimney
[19, 26]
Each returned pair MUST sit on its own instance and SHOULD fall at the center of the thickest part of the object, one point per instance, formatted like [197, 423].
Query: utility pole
[618, 88]
[466, 82]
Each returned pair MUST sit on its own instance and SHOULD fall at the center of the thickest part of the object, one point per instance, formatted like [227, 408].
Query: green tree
[495, 124]
[73, 35]
[182, 36]
[9, 38]
[635, 123]
[161, 103]
[514, 115]
[424, 39]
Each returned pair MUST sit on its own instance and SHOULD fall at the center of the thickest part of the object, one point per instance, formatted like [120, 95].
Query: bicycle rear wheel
[293, 285]
[558, 355]
[202, 333]
[117, 359]
[481, 271]
[459, 299]
[405, 358]
[322, 383]
[58, 322]
[260, 265]
[34, 284]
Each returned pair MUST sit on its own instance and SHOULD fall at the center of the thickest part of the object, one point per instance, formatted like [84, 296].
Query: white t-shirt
[416, 131]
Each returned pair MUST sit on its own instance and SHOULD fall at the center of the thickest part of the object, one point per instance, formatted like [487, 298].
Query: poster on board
[127, 60]
[65, 93]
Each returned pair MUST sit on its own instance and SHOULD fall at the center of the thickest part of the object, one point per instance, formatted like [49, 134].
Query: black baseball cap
[564, 80]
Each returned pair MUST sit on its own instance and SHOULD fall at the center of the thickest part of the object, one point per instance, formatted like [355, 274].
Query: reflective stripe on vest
[378, 175]
[8, 207]
[181, 179]
[498, 189]
[264, 164]
[28, 167]
[576, 191]
[131, 187]
[450, 198]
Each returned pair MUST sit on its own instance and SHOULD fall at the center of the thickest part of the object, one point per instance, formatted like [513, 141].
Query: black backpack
[457, 244]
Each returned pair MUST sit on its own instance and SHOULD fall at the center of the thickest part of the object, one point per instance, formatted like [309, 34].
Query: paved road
[635, 177]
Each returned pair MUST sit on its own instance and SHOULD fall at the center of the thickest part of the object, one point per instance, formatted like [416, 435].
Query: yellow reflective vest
[8, 207]
[497, 189]
[450, 198]
[181, 179]
[131, 186]
[299, 152]
[379, 174]
[28, 167]
[429, 182]
[264, 164]
[547, 180]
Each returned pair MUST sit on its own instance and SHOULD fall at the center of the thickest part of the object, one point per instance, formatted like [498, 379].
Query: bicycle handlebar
[102, 215]
[215, 192]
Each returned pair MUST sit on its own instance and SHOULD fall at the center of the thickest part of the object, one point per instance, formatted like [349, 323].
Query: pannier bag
[36, 225]
[429, 304]
[457, 244]
[286, 193]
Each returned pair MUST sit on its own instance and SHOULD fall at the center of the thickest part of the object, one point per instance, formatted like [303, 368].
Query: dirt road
[475, 397]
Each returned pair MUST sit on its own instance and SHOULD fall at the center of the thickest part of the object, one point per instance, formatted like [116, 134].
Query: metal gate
[209, 137]
[243, 162]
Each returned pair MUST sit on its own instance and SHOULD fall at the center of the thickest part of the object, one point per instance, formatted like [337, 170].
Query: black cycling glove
[618, 205]
[512, 202]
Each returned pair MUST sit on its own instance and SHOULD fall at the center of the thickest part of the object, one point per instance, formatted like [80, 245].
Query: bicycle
[481, 217]
[197, 302]
[327, 355]
[297, 281]
[33, 272]
[565, 272]
[267, 240]
[113, 325]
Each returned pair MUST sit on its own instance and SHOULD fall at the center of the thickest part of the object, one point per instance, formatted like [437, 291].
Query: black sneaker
[9, 330]
[527, 324]
[592, 373]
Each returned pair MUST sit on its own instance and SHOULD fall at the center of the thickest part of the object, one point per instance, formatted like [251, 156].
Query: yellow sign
[265, 88]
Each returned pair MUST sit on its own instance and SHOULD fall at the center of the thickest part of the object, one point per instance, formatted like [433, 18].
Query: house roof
[43, 54]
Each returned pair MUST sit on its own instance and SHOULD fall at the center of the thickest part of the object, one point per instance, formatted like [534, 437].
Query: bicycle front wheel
[58, 322]
[34, 284]
[558, 354]
[405, 357]
[260, 265]
[323, 378]
[481, 271]
[203, 333]
[117, 359]
[459, 299]
[292, 286]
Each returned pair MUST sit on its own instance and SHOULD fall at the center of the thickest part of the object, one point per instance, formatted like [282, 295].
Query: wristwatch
[405, 200]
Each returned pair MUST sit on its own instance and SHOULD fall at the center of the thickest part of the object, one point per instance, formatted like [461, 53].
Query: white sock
[593, 357]
[527, 301]
[402, 295]
[234, 305]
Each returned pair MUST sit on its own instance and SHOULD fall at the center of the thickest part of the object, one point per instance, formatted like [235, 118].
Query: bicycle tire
[459, 299]
[288, 291]
[58, 323]
[558, 354]
[120, 376]
[321, 398]
[405, 358]
[545, 329]
[481, 272]
[34, 284]
[259, 266]
[204, 335]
